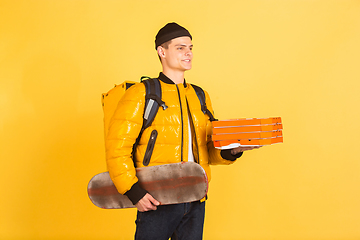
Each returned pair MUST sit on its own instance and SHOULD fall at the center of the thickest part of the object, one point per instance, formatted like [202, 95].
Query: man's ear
[161, 51]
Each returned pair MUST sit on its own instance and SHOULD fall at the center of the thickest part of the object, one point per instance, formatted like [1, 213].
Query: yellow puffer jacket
[172, 126]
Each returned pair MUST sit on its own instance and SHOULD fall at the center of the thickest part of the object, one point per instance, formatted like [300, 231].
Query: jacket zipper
[194, 137]
[150, 147]
[182, 124]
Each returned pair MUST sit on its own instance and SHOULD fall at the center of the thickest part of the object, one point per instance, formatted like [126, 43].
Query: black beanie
[170, 31]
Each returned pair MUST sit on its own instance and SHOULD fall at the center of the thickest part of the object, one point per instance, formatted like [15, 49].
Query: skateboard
[169, 184]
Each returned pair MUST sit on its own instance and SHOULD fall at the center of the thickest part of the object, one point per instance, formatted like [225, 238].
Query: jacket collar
[167, 80]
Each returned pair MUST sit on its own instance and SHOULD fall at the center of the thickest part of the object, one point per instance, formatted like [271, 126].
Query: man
[183, 134]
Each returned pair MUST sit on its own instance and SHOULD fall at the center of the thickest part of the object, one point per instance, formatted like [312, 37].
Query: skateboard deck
[169, 184]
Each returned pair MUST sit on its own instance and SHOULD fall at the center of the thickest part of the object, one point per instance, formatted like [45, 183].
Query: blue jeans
[178, 221]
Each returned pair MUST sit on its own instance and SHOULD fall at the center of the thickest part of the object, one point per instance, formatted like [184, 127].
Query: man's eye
[180, 48]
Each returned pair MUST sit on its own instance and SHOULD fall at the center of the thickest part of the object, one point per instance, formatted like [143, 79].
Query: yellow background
[295, 59]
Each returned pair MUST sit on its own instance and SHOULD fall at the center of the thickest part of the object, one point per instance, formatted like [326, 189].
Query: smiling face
[177, 57]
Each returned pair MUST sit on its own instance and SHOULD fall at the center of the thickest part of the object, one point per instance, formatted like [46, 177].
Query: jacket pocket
[150, 147]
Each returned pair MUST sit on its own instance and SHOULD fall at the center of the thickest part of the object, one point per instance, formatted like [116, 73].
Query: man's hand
[235, 151]
[147, 203]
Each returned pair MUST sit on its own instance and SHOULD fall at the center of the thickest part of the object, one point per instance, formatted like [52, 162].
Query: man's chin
[187, 68]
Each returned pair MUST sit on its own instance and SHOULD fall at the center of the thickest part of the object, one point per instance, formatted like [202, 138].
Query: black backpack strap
[152, 103]
[201, 95]
[152, 100]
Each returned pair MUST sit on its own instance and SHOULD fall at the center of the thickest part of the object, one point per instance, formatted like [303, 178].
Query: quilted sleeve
[124, 128]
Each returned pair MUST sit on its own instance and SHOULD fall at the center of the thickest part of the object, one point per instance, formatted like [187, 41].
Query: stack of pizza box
[247, 132]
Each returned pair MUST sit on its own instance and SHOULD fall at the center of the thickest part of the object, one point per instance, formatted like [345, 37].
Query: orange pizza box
[251, 135]
[246, 122]
[245, 129]
[227, 144]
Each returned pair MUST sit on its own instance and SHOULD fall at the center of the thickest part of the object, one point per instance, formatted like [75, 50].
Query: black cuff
[135, 193]
[226, 154]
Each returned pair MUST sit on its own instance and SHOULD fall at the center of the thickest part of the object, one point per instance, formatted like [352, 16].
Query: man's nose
[188, 52]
